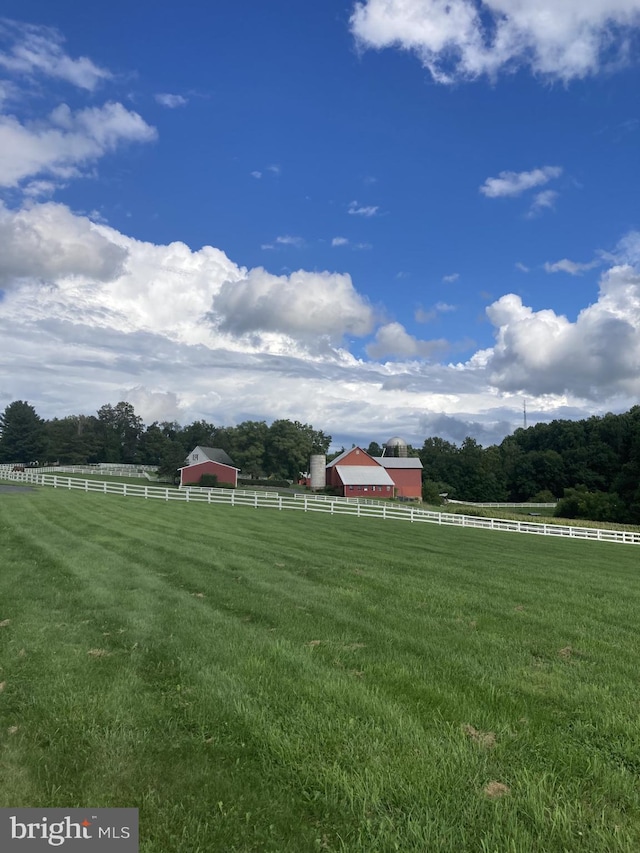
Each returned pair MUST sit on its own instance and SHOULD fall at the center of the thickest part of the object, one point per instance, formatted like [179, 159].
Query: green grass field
[288, 682]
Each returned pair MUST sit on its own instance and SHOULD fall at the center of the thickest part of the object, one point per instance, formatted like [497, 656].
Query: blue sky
[378, 218]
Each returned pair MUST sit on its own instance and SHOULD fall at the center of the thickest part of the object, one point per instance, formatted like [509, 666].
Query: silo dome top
[396, 441]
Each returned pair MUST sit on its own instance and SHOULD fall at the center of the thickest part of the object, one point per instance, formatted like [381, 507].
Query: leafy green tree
[440, 460]
[595, 506]
[543, 497]
[172, 459]
[432, 490]
[289, 446]
[199, 434]
[250, 441]
[494, 478]
[332, 456]
[73, 440]
[120, 430]
[374, 449]
[22, 434]
[152, 445]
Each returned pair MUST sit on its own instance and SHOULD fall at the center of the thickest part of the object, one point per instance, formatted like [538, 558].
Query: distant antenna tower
[524, 412]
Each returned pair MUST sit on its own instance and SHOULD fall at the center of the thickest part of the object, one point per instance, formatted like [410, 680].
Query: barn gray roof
[399, 461]
[363, 475]
[217, 454]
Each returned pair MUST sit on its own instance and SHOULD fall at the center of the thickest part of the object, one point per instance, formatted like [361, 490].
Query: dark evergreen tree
[22, 434]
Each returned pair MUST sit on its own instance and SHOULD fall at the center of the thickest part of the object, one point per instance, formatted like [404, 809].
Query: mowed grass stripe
[278, 681]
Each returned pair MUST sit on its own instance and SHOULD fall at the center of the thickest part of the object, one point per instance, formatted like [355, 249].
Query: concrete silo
[318, 471]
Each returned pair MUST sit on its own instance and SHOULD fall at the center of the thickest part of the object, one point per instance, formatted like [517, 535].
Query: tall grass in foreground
[264, 681]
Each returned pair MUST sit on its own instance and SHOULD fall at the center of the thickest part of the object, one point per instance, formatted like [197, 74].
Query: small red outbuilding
[208, 460]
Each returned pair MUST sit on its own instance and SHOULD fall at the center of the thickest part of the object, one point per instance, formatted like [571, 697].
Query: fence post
[146, 492]
[280, 502]
[255, 500]
[55, 482]
[305, 503]
[384, 511]
[124, 489]
[86, 485]
[187, 496]
[104, 487]
[411, 514]
[166, 494]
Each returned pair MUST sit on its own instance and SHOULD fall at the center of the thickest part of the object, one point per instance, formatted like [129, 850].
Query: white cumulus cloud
[29, 49]
[571, 267]
[302, 305]
[66, 140]
[356, 209]
[515, 183]
[165, 99]
[542, 201]
[595, 357]
[393, 340]
[290, 240]
[464, 39]
[48, 242]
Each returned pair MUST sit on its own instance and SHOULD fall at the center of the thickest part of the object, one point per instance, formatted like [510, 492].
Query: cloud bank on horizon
[90, 314]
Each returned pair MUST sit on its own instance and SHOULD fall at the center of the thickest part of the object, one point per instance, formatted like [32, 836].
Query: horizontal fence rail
[105, 468]
[505, 505]
[308, 503]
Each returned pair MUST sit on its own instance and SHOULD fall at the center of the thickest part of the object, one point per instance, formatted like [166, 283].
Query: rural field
[255, 680]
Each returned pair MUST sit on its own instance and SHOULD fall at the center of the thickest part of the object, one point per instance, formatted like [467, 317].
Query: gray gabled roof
[399, 461]
[363, 475]
[217, 454]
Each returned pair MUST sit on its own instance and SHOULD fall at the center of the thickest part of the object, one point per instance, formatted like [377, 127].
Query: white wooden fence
[505, 505]
[106, 470]
[308, 503]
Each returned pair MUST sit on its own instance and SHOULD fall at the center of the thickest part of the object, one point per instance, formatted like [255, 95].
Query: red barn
[355, 473]
[406, 473]
[208, 460]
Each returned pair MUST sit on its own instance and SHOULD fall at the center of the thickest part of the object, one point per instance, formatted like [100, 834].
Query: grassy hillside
[263, 681]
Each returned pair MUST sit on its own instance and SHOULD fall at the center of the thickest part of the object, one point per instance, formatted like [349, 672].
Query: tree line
[116, 434]
[593, 465]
